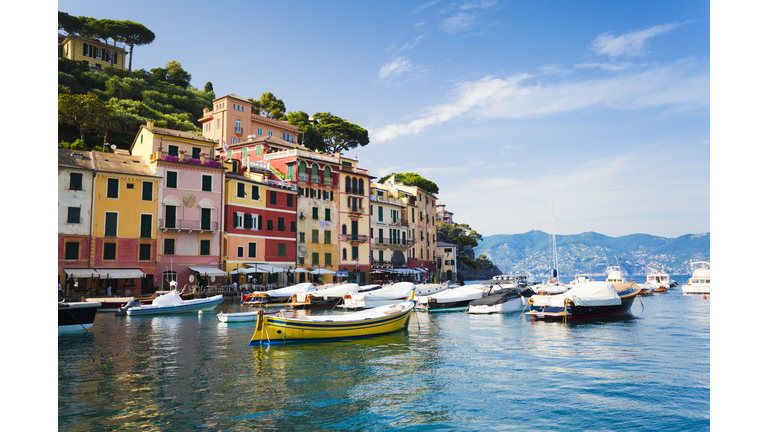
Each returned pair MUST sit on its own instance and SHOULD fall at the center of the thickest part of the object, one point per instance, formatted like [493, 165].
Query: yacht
[699, 281]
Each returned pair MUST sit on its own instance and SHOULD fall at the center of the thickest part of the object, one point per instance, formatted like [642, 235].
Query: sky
[549, 115]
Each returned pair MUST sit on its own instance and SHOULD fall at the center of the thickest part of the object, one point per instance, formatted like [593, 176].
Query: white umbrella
[301, 270]
[321, 271]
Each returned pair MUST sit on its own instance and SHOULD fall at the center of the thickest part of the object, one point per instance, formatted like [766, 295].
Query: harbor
[648, 370]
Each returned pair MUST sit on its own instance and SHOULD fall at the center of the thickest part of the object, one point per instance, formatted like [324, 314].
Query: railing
[328, 181]
[303, 176]
[281, 184]
[188, 224]
[391, 242]
[354, 238]
[263, 166]
[348, 168]
[386, 200]
[238, 130]
[381, 264]
[354, 191]
[315, 179]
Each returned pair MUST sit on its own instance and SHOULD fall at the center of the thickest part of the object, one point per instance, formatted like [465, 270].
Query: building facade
[354, 247]
[96, 54]
[446, 261]
[390, 240]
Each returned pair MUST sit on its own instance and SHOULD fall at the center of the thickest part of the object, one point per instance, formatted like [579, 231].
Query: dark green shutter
[110, 227]
[113, 186]
[205, 247]
[205, 218]
[170, 216]
[168, 246]
[170, 179]
[146, 226]
[327, 214]
[147, 191]
[207, 183]
[248, 221]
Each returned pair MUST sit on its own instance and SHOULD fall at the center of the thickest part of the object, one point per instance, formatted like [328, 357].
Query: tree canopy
[327, 132]
[461, 235]
[172, 73]
[268, 106]
[413, 179]
[87, 113]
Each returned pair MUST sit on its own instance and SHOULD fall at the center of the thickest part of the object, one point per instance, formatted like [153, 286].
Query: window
[293, 226]
[196, 152]
[238, 126]
[273, 197]
[110, 224]
[270, 133]
[327, 259]
[147, 191]
[344, 254]
[205, 219]
[73, 215]
[251, 250]
[75, 181]
[281, 224]
[241, 190]
[301, 237]
[113, 185]
[239, 251]
[169, 246]
[255, 193]
[170, 216]
[281, 249]
[145, 230]
[218, 123]
[270, 227]
[237, 220]
[315, 258]
[327, 214]
[207, 183]
[110, 251]
[260, 131]
[145, 252]
[72, 250]
[327, 239]
[354, 252]
[170, 179]
[381, 213]
[205, 247]
[289, 200]
[360, 187]
[315, 236]
[173, 150]
[343, 229]
[314, 213]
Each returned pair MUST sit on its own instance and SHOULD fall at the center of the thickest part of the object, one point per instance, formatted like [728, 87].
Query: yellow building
[95, 53]
[123, 245]
[354, 221]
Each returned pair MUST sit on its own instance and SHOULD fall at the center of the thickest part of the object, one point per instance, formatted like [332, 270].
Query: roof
[179, 134]
[122, 164]
[69, 158]
[271, 140]
[443, 244]
[232, 95]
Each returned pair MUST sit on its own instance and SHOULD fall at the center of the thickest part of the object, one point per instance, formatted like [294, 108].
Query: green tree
[413, 179]
[135, 34]
[338, 134]
[269, 106]
[86, 112]
[208, 87]
[310, 137]
[70, 24]
[459, 234]
[172, 73]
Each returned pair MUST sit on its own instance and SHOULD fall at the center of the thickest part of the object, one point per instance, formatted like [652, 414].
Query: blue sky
[600, 106]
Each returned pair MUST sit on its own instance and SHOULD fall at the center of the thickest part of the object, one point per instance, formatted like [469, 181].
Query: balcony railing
[386, 200]
[351, 169]
[187, 224]
[354, 238]
[238, 130]
[391, 242]
[282, 184]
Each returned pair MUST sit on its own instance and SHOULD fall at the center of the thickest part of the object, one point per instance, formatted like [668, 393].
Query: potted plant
[181, 155]
[202, 157]
[159, 153]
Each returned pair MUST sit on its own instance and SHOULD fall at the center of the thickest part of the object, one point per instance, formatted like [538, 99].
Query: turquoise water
[449, 371]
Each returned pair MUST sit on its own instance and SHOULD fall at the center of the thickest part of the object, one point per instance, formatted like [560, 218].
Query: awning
[321, 271]
[209, 271]
[300, 270]
[118, 273]
[81, 272]
[247, 271]
[341, 273]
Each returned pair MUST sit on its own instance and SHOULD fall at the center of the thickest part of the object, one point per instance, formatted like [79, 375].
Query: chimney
[151, 124]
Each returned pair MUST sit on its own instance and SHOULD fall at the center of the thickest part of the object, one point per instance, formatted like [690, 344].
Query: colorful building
[354, 222]
[75, 184]
[446, 261]
[123, 242]
[189, 205]
[93, 52]
[389, 230]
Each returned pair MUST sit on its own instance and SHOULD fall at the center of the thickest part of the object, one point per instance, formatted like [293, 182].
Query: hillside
[590, 252]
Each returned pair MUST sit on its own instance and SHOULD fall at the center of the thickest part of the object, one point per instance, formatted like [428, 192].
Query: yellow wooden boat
[280, 329]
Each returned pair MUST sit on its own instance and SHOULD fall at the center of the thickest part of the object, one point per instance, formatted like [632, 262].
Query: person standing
[109, 290]
[61, 291]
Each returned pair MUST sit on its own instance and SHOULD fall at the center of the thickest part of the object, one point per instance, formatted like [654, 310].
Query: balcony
[187, 224]
[281, 184]
[395, 244]
[381, 264]
[355, 210]
[238, 130]
[386, 200]
[354, 238]
[351, 169]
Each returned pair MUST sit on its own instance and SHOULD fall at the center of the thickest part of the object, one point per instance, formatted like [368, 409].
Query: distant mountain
[590, 252]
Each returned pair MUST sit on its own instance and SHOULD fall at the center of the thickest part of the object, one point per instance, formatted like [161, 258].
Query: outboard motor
[133, 303]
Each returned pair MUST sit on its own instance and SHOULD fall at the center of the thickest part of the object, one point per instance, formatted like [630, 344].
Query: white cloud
[482, 4]
[629, 43]
[490, 98]
[604, 66]
[423, 6]
[554, 70]
[419, 24]
[396, 67]
[409, 46]
[458, 22]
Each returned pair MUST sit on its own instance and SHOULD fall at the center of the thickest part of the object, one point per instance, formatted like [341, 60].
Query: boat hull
[204, 305]
[271, 329]
[696, 289]
[514, 305]
[238, 317]
[573, 312]
[77, 316]
[444, 306]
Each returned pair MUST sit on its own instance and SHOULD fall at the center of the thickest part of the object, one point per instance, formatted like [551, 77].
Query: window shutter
[248, 222]
[258, 222]
[331, 195]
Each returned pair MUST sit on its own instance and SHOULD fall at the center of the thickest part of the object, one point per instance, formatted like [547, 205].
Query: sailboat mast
[554, 240]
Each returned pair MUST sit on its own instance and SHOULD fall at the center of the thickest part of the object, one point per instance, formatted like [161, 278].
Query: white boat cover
[291, 290]
[400, 290]
[170, 299]
[334, 291]
[584, 294]
[466, 292]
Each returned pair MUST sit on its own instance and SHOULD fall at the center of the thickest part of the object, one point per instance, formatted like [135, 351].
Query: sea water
[448, 371]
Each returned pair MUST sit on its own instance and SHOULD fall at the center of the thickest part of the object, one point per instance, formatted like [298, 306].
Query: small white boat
[171, 303]
[699, 281]
[451, 299]
[280, 296]
[614, 274]
[381, 297]
[238, 316]
[580, 278]
[323, 298]
[659, 281]
[501, 301]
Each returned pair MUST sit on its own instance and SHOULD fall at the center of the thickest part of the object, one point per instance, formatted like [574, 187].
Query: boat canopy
[584, 294]
[287, 291]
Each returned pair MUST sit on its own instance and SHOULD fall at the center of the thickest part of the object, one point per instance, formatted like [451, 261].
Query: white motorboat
[451, 299]
[169, 304]
[323, 298]
[699, 281]
[387, 295]
[659, 281]
[579, 279]
[238, 316]
[501, 301]
[614, 275]
[77, 316]
[280, 296]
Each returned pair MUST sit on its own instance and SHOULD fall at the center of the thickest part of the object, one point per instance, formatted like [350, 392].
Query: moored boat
[369, 322]
[394, 293]
[238, 316]
[277, 297]
[113, 304]
[77, 316]
[170, 303]
[451, 299]
[588, 300]
[659, 281]
[501, 301]
[323, 298]
[699, 281]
